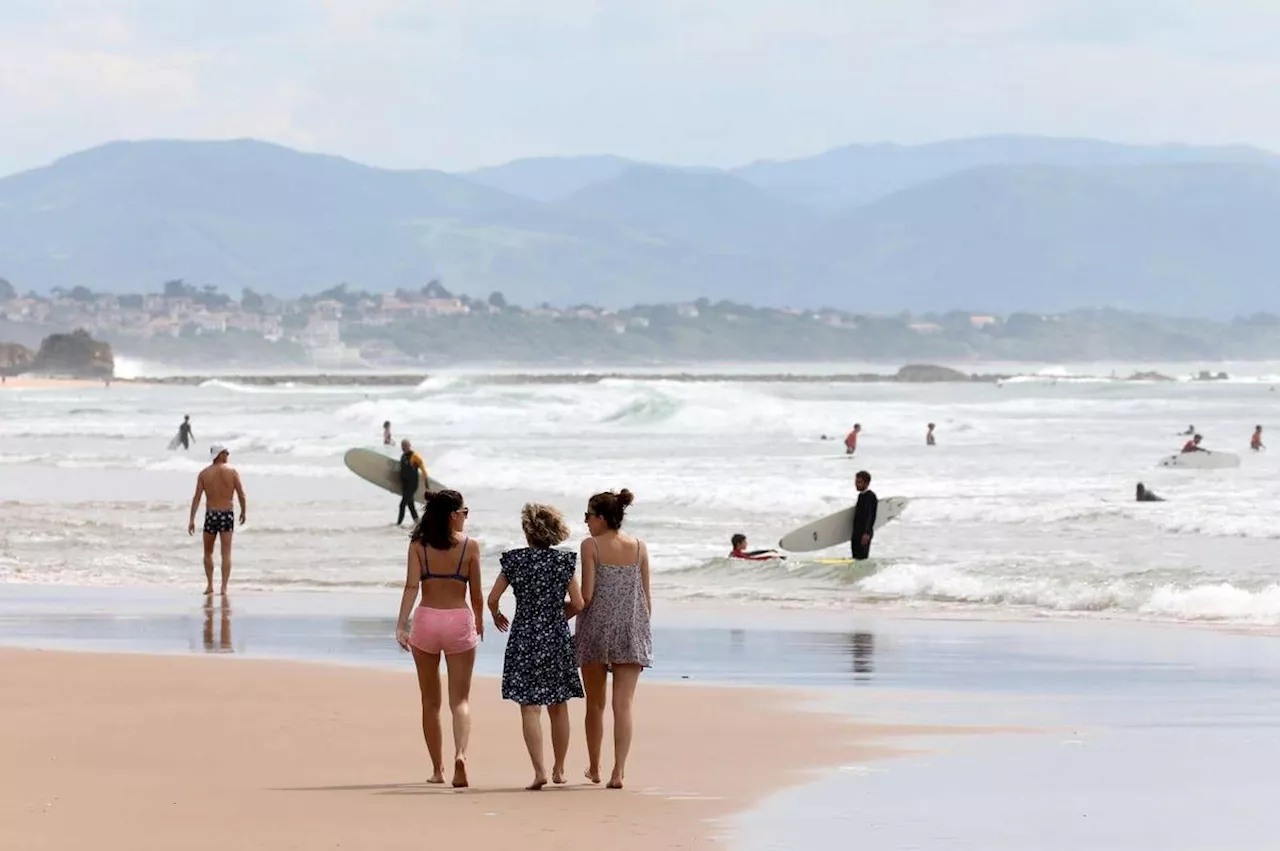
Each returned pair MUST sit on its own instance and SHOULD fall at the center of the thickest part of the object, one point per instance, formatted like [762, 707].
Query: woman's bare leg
[460, 666]
[625, 679]
[531, 722]
[428, 665]
[559, 715]
[595, 679]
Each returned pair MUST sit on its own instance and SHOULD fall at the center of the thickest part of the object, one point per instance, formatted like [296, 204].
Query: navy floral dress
[539, 668]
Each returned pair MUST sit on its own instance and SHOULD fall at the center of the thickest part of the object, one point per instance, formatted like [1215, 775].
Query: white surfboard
[837, 529]
[380, 470]
[1202, 460]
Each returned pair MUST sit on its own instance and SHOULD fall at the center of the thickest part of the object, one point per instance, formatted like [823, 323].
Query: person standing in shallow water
[411, 466]
[444, 566]
[386, 434]
[929, 439]
[539, 668]
[864, 516]
[218, 483]
[613, 634]
[185, 434]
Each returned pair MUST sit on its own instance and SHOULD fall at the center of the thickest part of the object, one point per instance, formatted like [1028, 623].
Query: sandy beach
[131, 752]
[32, 382]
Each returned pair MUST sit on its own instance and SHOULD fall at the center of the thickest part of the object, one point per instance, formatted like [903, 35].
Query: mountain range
[998, 224]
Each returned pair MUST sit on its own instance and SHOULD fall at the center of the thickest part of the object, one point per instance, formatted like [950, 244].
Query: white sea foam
[1025, 504]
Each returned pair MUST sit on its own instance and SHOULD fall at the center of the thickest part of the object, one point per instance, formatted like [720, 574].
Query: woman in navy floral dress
[540, 668]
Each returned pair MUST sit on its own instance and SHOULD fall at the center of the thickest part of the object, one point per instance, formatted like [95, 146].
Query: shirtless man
[1255, 442]
[217, 483]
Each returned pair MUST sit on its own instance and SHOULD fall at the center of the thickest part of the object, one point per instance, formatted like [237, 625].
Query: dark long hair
[611, 506]
[434, 529]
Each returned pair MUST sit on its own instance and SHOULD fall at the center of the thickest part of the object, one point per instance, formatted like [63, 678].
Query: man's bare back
[219, 484]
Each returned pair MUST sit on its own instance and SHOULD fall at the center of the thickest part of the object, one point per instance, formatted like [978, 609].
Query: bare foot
[437, 776]
[557, 776]
[208, 592]
[592, 774]
[460, 773]
[615, 782]
[539, 781]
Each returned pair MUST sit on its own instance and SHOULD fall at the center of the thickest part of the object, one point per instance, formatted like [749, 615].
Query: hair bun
[625, 497]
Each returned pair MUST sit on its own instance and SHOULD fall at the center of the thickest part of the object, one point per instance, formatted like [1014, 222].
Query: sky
[457, 84]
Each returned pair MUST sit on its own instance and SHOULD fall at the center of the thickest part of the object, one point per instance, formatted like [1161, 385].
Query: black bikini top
[457, 573]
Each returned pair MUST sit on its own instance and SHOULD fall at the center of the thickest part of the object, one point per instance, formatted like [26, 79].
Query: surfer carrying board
[410, 463]
[185, 435]
[864, 516]
[219, 484]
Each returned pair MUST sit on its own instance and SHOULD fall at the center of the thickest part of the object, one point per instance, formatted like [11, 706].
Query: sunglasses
[464, 511]
[589, 515]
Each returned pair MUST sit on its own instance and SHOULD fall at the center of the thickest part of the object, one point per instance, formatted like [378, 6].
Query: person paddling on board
[851, 440]
[185, 435]
[1193, 445]
[410, 463]
[740, 550]
[1145, 495]
[1255, 442]
[864, 516]
[929, 439]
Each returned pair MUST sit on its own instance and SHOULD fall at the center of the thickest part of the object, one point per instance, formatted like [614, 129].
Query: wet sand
[126, 752]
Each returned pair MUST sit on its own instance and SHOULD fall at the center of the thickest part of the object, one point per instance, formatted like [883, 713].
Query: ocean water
[1025, 506]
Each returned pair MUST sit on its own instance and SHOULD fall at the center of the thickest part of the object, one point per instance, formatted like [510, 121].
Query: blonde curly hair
[544, 525]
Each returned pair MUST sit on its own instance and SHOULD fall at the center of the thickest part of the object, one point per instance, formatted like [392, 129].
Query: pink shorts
[445, 631]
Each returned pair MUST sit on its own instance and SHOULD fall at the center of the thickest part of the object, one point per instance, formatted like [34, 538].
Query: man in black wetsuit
[864, 516]
[185, 434]
[1145, 495]
[411, 465]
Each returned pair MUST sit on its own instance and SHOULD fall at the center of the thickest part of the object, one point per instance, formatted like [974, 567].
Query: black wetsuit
[408, 487]
[185, 436]
[864, 523]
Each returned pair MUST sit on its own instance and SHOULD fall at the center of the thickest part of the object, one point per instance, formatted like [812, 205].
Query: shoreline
[323, 755]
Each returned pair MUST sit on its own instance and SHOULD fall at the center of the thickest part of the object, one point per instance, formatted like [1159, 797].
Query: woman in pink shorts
[444, 564]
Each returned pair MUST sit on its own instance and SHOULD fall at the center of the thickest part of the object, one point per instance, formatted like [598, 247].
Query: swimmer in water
[739, 542]
[1145, 495]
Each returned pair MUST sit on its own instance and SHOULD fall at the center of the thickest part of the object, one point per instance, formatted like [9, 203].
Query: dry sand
[139, 752]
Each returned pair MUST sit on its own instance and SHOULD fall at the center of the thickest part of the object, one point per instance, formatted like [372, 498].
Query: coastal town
[342, 325]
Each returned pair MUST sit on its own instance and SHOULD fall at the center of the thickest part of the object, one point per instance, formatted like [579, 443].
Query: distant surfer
[1145, 495]
[218, 484]
[1255, 442]
[185, 435]
[739, 543]
[1193, 445]
[386, 434]
[864, 516]
[410, 463]
[851, 439]
[1191, 429]
[929, 439]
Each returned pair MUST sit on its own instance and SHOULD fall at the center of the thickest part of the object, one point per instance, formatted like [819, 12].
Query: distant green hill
[1003, 223]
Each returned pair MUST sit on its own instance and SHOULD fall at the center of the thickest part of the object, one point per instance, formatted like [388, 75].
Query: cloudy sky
[455, 84]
